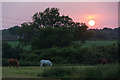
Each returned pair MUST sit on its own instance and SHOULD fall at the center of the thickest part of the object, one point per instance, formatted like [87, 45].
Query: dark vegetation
[97, 34]
[99, 72]
[57, 38]
[73, 54]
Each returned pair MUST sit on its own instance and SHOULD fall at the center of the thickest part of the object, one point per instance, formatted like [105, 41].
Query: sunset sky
[105, 14]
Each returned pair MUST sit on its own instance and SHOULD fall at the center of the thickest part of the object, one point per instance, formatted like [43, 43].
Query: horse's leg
[50, 64]
[41, 64]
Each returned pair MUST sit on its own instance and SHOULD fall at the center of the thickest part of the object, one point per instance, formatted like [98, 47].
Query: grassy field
[78, 71]
[97, 71]
[87, 44]
[21, 72]
[91, 43]
[15, 43]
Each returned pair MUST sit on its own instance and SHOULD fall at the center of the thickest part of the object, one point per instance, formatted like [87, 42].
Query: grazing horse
[103, 60]
[13, 62]
[47, 62]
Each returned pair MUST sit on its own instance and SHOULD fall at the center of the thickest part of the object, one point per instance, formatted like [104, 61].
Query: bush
[7, 50]
[102, 71]
[4, 62]
[73, 54]
[27, 56]
[49, 37]
[28, 63]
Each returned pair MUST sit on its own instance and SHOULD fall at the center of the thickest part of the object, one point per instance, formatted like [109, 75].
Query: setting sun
[91, 22]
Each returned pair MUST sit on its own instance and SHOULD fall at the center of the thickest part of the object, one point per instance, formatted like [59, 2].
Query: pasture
[15, 43]
[91, 43]
[21, 72]
[63, 70]
[96, 71]
[87, 44]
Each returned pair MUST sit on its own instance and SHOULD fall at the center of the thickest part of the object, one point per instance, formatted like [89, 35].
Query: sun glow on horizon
[91, 22]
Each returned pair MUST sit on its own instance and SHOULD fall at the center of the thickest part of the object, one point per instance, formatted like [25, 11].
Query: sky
[105, 14]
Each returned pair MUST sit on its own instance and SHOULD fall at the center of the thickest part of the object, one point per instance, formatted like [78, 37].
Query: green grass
[21, 72]
[13, 43]
[87, 44]
[91, 43]
[97, 71]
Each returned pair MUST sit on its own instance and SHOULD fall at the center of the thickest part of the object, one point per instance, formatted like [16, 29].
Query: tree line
[10, 34]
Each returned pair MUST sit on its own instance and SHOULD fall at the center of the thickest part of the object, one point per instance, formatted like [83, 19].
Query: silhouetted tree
[80, 32]
[7, 50]
[49, 37]
[26, 33]
[51, 17]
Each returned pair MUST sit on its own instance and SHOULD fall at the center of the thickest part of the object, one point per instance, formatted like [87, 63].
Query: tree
[7, 50]
[26, 33]
[10, 33]
[49, 37]
[13, 30]
[51, 17]
[80, 32]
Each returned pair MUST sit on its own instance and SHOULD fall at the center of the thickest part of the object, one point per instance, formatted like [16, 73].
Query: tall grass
[56, 72]
[98, 71]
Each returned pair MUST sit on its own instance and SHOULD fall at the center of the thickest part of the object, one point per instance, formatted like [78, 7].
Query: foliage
[51, 17]
[29, 57]
[61, 30]
[72, 54]
[10, 33]
[80, 32]
[26, 33]
[104, 34]
[4, 62]
[49, 37]
[11, 52]
[7, 50]
[94, 34]
[29, 63]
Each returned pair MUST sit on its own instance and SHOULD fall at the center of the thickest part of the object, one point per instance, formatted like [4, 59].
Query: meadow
[63, 70]
[15, 43]
[97, 71]
[87, 44]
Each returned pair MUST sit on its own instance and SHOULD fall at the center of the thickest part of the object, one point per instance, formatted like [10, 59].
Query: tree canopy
[37, 32]
[51, 17]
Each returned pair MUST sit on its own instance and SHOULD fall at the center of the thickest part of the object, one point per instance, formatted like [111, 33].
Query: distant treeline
[10, 34]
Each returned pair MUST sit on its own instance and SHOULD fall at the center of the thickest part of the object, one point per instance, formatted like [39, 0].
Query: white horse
[47, 62]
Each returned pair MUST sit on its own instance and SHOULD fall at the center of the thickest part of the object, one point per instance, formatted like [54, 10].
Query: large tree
[49, 37]
[51, 18]
[26, 33]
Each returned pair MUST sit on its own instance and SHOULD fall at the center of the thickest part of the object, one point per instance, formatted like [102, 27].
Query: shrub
[4, 62]
[28, 63]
